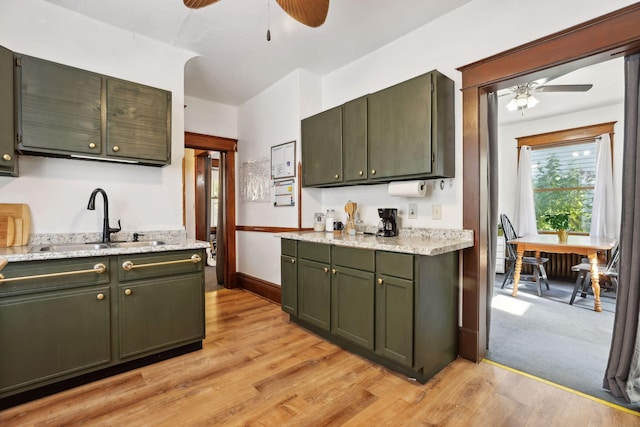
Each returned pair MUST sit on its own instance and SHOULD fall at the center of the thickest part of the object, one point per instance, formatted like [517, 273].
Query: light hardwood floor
[257, 369]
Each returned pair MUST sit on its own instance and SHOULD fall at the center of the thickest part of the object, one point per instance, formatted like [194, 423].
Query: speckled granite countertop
[413, 241]
[174, 240]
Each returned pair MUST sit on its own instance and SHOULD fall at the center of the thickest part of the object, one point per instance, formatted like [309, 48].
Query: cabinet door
[394, 319]
[354, 140]
[8, 158]
[138, 122]
[289, 275]
[59, 108]
[48, 335]
[352, 305]
[322, 148]
[399, 130]
[160, 313]
[314, 293]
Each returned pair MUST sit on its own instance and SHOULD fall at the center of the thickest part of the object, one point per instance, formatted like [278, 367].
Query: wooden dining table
[581, 245]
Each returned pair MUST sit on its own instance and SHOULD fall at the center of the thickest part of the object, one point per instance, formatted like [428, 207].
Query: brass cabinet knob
[336, 176]
[293, 260]
[6, 157]
[333, 270]
[373, 171]
[360, 173]
[380, 281]
[326, 269]
[128, 291]
[116, 148]
[100, 296]
[92, 145]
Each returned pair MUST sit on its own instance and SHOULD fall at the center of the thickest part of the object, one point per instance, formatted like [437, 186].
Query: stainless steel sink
[139, 244]
[69, 247]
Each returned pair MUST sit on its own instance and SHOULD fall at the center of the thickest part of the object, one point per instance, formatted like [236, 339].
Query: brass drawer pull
[293, 260]
[6, 157]
[98, 268]
[128, 292]
[116, 148]
[128, 265]
[326, 269]
[100, 297]
[380, 281]
[92, 145]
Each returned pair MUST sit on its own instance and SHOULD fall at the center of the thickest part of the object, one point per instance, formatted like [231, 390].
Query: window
[563, 172]
[563, 179]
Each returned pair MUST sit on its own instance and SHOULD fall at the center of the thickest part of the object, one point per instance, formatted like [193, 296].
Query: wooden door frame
[199, 141]
[606, 37]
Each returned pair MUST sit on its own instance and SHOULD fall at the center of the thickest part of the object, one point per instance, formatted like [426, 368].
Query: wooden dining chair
[608, 272]
[539, 272]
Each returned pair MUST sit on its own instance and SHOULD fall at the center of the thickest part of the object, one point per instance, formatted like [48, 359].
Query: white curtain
[603, 216]
[525, 217]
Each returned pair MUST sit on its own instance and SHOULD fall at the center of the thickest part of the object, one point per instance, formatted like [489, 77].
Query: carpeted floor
[547, 337]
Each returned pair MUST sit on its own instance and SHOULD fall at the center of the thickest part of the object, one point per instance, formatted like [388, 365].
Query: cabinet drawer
[395, 264]
[289, 247]
[314, 251]
[142, 266]
[360, 259]
[53, 275]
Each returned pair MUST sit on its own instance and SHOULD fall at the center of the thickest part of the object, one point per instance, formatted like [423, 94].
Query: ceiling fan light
[512, 106]
[532, 102]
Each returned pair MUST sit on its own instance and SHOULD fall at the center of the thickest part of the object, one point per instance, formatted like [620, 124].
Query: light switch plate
[413, 210]
[437, 212]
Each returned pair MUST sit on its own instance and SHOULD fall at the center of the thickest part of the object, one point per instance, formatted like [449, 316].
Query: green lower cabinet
[352, 305]
[160, 313]
[289, 284]
[394, 319]
[52, 335]
[314, 293]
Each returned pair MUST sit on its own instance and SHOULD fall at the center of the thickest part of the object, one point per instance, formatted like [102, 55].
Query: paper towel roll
[408, 188]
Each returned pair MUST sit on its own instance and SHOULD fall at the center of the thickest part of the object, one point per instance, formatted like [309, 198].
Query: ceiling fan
[308, 12]
[523, 94]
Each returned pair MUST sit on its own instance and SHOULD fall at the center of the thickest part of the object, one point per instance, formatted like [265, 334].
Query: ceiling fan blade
[563, 88]
[197, 4]
[308, 12]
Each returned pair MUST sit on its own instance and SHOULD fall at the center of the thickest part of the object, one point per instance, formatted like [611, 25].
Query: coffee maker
[387, 226]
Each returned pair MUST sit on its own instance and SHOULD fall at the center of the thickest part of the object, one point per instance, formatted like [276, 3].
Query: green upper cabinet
[354, 140]
[410, 129]
[59, 108]
[8, 158]
[322, 149]
[67, 112]
[403, 132]
[138, 122]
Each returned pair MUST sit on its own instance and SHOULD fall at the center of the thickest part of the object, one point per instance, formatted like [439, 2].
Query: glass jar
[318, 221]
[329, 219]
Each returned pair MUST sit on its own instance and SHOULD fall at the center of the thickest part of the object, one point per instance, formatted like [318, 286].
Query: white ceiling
[236, 61]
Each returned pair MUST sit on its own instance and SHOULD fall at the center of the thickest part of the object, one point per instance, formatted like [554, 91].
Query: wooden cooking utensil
[350, 209]
[7, 231]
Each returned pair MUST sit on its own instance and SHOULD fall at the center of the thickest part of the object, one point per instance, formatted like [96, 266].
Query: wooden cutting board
[7, 231]
[21, 221]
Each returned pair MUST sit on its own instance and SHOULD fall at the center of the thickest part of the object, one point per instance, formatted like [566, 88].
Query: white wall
[57, 190]
[508, 154]
[269, 119]
[474, 31]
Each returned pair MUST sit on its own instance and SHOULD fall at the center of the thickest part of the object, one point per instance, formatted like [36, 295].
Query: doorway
[612, 35]
[226, 251]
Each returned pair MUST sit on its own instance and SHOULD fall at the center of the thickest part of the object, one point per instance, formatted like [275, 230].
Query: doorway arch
[612, 35]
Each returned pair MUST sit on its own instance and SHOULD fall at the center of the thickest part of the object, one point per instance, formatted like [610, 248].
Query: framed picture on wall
[283, 160]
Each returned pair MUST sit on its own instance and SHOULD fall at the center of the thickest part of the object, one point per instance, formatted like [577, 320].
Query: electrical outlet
[413, 210]
[437, 212]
